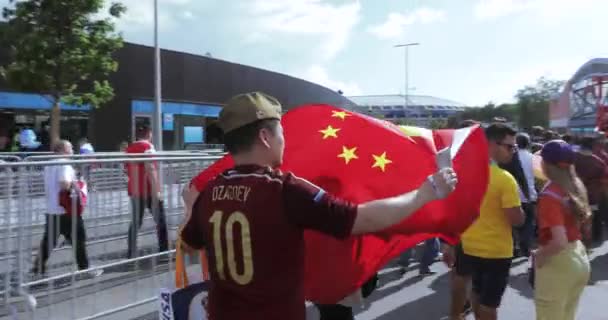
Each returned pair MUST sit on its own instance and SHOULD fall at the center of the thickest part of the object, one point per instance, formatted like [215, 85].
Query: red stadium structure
[582, 107]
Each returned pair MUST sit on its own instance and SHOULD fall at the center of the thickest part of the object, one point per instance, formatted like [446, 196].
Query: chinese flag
[360, 159]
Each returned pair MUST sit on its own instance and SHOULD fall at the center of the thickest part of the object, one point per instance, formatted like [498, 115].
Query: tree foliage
[533, 102]
[438, 124]
[63, 49]
[531, 108]
[487, 113]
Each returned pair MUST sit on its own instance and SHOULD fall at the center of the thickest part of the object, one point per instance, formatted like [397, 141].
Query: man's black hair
[523, 141]
[497, 132]
[142, 131]
[242, 139]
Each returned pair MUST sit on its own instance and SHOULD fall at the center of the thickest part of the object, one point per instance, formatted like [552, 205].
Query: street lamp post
[406, 47]
[157, 116]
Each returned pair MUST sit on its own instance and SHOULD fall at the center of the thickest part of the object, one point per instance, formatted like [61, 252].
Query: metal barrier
[24, 154]
[9, 158]
[65, 292]
[203, 146]
[109, 155]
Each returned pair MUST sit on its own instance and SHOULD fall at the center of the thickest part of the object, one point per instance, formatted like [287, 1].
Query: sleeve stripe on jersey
[255, 175]
[319, 195]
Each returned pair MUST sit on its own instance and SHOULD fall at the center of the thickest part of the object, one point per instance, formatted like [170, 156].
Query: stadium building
[194, 88]
[583, 103]
[420, 110]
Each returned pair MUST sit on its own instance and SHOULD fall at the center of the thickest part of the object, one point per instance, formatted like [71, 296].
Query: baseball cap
[248, 108]
[559, 153]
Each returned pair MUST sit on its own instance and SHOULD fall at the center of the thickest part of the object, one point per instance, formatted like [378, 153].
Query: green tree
[61, 48]
[533, 102]
[405, 122]
[486, 113]
[438, 124]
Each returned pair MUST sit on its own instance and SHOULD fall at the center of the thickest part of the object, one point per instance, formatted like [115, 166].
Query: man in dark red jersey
[144, 191]
[252, 218]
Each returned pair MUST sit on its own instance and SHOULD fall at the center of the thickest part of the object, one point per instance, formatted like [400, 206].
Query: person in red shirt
[601, 218]
[561, 262]
[145, 192]
[593, 171]
[599, 145]
[251, 218]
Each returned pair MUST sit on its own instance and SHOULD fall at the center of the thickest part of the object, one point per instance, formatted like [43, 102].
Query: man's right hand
[443, 182]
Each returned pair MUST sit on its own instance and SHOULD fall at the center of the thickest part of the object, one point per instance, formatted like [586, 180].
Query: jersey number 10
[236, 217]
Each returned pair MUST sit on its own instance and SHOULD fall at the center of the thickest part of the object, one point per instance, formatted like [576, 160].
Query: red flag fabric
[359, 158]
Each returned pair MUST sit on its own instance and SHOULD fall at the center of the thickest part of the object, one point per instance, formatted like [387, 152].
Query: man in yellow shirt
[486, 249]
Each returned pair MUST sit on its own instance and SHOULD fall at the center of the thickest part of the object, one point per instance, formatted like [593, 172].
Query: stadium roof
[597, 66]
[398, 99]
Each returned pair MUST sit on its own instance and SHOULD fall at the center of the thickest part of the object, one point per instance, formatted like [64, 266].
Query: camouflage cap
[248, 108]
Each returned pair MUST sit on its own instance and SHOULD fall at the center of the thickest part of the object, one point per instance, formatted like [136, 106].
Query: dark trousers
[429, 253]
[62, 225]
[597, 225]
[335, 312]
[340, 312]
[599, 221]
[157, 209]
[524, 234]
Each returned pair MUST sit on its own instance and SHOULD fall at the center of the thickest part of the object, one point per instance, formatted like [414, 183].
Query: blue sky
[472, 51]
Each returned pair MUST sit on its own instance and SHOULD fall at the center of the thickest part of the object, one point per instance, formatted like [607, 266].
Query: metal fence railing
[128, 280]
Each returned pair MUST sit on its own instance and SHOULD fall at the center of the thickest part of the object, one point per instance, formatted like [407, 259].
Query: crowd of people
[62, 181]
[553, 218]
[553, 214]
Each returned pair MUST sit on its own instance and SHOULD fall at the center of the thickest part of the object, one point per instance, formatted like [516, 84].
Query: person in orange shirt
[561, 264]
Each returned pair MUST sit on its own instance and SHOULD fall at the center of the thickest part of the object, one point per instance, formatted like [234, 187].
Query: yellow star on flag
[381, 161]
[329, 132]
[348, 154]
[340, 114]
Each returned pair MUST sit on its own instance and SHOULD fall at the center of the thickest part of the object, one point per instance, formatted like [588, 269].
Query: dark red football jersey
[251, 220]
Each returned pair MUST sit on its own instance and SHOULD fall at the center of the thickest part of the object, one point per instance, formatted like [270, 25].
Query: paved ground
[407, 297]
[413, 297]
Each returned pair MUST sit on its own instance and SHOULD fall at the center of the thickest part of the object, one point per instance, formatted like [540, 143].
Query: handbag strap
[181, 276]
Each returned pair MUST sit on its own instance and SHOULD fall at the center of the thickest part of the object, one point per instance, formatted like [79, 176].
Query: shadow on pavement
[432, 307]
[599, 272]
[520, 283]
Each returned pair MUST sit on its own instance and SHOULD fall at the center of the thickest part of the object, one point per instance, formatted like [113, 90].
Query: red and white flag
[359, 158]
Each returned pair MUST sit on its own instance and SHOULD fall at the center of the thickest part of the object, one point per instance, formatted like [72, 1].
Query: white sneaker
[90, 274]
[95, 273]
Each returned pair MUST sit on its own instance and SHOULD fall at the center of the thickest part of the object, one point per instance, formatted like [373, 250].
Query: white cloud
[330, 24]
[395, 24]
[546, 10]
[319, 75]
[140, 14]
[188, 15]
[257, 37]
[488, 9]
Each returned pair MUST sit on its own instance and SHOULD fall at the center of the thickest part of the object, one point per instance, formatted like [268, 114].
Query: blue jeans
[429, 253]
